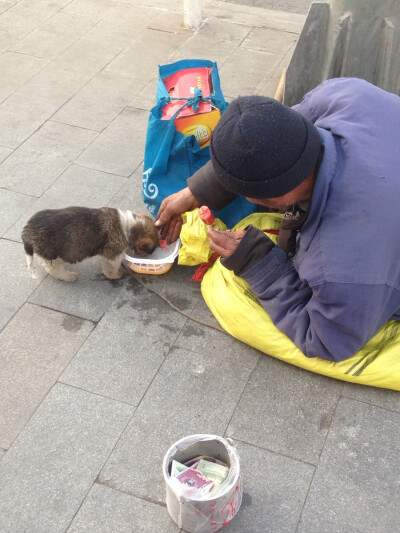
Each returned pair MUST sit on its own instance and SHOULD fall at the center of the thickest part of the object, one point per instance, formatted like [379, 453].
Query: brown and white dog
[69, 235]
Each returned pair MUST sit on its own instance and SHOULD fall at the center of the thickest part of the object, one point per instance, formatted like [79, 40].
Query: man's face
[301, 193]
[282, 202]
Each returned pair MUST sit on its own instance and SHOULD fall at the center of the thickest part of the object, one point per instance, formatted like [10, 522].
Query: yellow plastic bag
[239, 312]
[194, 238]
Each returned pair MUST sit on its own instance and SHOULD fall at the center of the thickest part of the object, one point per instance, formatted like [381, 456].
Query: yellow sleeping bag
[239, 312]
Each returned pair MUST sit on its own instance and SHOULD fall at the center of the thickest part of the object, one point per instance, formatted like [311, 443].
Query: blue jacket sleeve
[331, 320]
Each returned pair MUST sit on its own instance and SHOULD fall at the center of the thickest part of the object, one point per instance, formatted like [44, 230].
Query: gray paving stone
[286, 410]
[140, 61]
[89, 297]
[22, 114]
[35, 102]
[246, 69]
[77, 186]
[10, 35]
[74, 67]
[202, 312]
[55, 35]
[267, 40]
[294, 6]
[192, 393]
[87, 57]
[77, 65]
[175, 285]
[254, 16]
[106, 510]
[90, 8]
[201, 339]
[6, 4]
[35, 348]
[146, 98]
[169, 21]
[274, 491]
[31, 14]
[35, 165]
[123, 354]
[356, 484]
[119, 148]
[155, 4]
[270, 85]
[47, 473]
[130, 194]
[128, 24]
[99, 102]
[221, 37]
[2, 453]
[4, 152]
[271, 81]
[388, 399]
[12, 206]
[16, 282]
[17, 69]
[123, 25]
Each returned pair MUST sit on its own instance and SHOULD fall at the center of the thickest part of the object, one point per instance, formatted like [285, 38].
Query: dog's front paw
[70, 276]
[115, 275]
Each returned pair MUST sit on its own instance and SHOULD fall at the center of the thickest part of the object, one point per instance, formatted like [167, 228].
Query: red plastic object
[272, 231]
[182, 84]
[202, 269]
[206, 216]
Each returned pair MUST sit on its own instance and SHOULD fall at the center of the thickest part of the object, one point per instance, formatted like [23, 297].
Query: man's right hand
[169, 214]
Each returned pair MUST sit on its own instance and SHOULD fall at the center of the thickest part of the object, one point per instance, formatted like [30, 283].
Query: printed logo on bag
[150, 190]
[200, 131]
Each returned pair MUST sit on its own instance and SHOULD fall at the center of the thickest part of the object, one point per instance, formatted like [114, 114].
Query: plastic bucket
[210, 513]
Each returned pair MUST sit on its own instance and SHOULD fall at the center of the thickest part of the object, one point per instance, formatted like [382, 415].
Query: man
[334, 278]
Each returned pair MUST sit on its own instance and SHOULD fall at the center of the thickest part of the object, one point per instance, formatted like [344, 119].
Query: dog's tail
[28, 249]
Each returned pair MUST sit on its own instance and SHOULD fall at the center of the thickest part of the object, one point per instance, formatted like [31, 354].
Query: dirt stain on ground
[247, 500]
[325, 422]
[168, 328]
[191, 331]
[72, 323]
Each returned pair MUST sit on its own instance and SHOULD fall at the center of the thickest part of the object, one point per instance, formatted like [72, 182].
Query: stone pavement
[99, 378]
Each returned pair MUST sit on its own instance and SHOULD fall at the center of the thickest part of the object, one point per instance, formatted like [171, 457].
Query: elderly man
[333, 163]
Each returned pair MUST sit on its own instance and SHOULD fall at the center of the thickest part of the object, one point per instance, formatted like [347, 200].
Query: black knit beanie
[261, 148]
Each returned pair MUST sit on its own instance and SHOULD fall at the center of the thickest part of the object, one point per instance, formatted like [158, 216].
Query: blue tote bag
[171, 157]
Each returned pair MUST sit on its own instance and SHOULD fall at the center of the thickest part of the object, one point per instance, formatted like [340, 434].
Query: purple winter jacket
[343, 283]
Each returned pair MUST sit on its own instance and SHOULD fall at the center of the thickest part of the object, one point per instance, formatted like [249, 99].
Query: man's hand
[169, 214]
[224, 242]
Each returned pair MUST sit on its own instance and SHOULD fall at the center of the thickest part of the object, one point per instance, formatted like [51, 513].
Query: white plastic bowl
[159, 262]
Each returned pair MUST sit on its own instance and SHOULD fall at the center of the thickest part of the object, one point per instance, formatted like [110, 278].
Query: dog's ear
[150, 229]
[148, 219]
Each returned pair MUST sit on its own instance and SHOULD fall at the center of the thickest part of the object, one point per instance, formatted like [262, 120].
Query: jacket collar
[326, 172]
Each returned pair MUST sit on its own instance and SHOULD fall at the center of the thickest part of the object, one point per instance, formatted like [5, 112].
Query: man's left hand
[224, 242]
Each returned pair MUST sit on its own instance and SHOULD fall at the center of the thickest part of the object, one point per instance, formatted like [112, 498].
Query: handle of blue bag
[162, 160]
[193, 102]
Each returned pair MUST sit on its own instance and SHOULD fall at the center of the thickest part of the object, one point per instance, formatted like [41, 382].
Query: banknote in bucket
[177, 468]
[197, 484]
[217, 473]
[195, 461]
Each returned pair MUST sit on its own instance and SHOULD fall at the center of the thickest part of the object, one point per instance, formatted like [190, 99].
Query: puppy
[69, 235]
